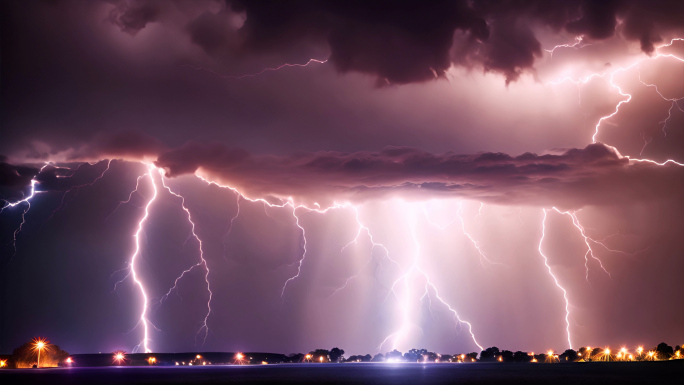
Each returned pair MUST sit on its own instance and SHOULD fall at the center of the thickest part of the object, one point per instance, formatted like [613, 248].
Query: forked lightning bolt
[404, 303]
[202, 262]
[555, 280]
[628, 97]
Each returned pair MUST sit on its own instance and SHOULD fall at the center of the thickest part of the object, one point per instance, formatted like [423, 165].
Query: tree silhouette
[296, 357]
[394, 355]
[336, 354]
[26, 356]
[664, 351]
[320, 355]
[521, 357]
[568, 356]
[489, 354]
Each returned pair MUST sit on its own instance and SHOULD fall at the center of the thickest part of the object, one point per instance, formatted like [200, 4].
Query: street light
[119, 357]
[39, 344]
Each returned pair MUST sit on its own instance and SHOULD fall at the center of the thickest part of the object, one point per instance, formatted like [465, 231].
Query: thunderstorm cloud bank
[479, 117]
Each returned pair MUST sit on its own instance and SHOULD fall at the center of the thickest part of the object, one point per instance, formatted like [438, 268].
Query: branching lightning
[202, 262]
[134, 257]
[404, 303]
[26, 200]
[401, 288]
[587, 240]
[301, 260]
[628, 97]
[77, 188]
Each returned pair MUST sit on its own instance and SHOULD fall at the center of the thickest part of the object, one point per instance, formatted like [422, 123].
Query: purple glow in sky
[284, 176]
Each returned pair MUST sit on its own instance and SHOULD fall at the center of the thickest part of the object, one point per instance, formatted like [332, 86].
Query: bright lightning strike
[628, 97]
[404, 303]
[136, 254]
[301, 260]
[555, 280]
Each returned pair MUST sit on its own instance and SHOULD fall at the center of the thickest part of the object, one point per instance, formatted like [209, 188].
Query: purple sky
[391, 193]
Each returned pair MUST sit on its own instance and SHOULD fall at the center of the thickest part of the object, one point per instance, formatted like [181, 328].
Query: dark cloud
[408, 41]
[595, 175]
[130, 145]
[15, 181]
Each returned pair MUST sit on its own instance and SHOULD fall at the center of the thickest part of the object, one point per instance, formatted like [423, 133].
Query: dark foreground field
[669, 372]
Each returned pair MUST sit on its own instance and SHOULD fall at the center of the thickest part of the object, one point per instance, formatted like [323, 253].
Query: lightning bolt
[134, 257]
[578, 40]
[476, 244]
[674, 103]
[628, 97]
[288, 202]
[130, 196]
[404, 303]
[587, 240]
[268, 69]
[555, 280]
[459, 218]
[201, 263]
[362, 228]
[23, 214]
[301, 260]
[77, 188]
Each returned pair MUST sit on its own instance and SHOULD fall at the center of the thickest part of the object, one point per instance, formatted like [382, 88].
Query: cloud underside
[594, 175]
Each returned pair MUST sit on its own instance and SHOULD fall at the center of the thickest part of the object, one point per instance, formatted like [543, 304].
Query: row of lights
[41, 344]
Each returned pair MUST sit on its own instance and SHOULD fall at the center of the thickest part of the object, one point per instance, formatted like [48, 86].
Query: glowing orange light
[3, 363]
[321, 359]
[69, 360]
[239, 356]
[549, 353]
[640, 349]
[631, 357]
[40, 344]
[607, 351]
[119, 356]
[500, 358]
[198, 357]
[152, 360]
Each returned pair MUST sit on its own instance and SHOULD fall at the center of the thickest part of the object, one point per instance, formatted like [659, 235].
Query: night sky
[283, 176]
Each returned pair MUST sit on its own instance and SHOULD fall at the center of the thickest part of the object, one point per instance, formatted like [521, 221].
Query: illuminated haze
[367, 199]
